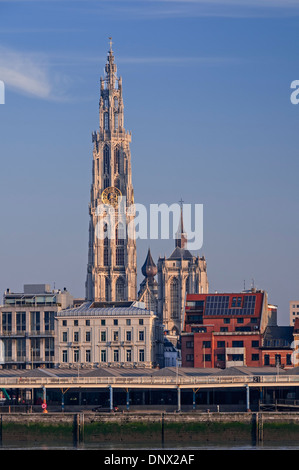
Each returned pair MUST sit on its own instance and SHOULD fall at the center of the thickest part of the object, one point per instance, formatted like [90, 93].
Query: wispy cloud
[70, 60]
[172, 9]
[177, 60]
[29, 73]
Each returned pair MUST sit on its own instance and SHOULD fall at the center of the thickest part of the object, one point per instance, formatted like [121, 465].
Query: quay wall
[151, 428]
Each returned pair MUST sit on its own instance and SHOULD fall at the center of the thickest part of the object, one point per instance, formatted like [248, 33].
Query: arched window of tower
[174, 298]
[120, 289]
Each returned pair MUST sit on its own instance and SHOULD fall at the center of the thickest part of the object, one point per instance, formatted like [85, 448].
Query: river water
[145, 447]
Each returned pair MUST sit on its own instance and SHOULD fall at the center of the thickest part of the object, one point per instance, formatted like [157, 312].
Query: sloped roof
[278, 336]
[98, 309]
[180, 253]
[250, 371]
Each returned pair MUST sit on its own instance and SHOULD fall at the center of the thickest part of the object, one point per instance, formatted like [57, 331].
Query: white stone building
[98, 334]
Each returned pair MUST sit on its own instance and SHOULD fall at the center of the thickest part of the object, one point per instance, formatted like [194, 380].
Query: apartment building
[27, 326]
[294, 311]
[224, 330]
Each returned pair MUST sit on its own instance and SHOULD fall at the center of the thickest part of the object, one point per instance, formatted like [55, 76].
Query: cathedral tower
[111, 270]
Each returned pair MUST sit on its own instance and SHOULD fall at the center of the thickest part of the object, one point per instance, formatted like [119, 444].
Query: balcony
[230, 351]
[26, 334]
[235, 357]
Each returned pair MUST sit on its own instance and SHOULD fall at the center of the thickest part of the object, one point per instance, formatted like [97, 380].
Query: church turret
[149, 269]
[148, 292]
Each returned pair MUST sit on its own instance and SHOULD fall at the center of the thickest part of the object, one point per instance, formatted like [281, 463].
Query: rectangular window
[129, 355]
[206, 344]
[238, 357]
[103, 322]
[115, 322]
[103, 336]
[49, 321]
[221, 357]
[129, 336]
[64, 323]
[115, 335]
[255, 357]
[87, 336]
[128, 321]
[266, 360]
[189, 357]
[103, 355]
[220, 344]
[189, 344]
[21, 321]
[64, 336]
[255, 343]
[140, 321]
[21, 349]
[35, 321]
[207, 357]
[76, 322]
[64, 356]
[115, 355]
[141, 355]
[277, 359]
[6, 321]
[141, 335]
[49, 349]
[88, 355]
[240, 320]
[237, 344]
[76, 355]
[76, 336]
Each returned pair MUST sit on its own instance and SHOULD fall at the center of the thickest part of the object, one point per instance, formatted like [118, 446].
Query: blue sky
[207, 98]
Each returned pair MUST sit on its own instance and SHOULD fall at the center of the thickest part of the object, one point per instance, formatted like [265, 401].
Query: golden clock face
[111, 196]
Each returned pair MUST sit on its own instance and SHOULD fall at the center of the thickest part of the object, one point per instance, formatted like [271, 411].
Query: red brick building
[224, 330]
[277, 346]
